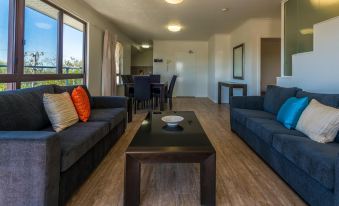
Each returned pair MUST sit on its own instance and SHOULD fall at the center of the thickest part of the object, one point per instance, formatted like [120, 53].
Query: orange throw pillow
[81, 103]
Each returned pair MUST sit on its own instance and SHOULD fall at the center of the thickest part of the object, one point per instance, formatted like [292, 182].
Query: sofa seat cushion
[266, 128]
[316, 159]
[113, 116]
[241, 115]
[76, 140]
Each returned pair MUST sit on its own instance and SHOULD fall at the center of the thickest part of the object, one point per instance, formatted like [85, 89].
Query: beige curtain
[108, 65]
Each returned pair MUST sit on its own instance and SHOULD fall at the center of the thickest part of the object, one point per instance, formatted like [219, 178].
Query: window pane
[73, 46]
[6, 86]
[4, 10]
[64, 82]
[40, 38]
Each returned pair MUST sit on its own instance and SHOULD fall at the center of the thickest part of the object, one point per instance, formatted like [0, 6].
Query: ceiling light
[324, 3]
[225, 9]
[174, 1]
[306, 31]
[146, 46]
[174, 28]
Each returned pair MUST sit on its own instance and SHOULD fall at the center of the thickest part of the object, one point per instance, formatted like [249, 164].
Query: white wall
[318, 71]
[249, 33]
[97, 24]
[219, 64]
[167, 50]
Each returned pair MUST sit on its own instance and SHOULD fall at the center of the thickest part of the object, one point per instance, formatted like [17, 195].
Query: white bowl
[172, 121]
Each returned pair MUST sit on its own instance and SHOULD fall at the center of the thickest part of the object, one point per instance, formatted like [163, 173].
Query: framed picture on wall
[238, 61]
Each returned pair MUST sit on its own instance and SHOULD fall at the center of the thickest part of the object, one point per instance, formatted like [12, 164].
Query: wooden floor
[242, 177]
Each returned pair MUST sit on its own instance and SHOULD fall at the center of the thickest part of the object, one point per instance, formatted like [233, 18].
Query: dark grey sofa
[310, 168]
[41, 167]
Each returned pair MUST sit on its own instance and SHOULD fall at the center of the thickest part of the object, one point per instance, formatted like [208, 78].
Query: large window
[4, 25]
[41, 38]
[49, 45]
[119, 51]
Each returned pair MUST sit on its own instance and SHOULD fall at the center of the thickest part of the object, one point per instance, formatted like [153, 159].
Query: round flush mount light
[146, 46]
[174, 1]
[174, 27]
[225, 9]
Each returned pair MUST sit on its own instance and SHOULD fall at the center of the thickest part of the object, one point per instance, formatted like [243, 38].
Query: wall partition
[300, 16]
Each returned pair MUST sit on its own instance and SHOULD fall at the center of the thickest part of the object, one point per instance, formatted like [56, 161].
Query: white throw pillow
[319, 122]
[60, 110]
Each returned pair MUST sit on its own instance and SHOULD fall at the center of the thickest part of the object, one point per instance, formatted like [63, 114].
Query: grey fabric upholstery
[266, 128]
[35, 162]
[109, 102]
[69, 89]
[241, 115]
[247, 102]
[276, 96]
[78, 139]
[23, 110]
[331, 100]
[316, 159]
[29, 168]
[111, 116]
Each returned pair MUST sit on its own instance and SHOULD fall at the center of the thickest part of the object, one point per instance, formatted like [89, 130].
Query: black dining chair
[155, 78]
[142, 91]
[128, 79]
[169, 94]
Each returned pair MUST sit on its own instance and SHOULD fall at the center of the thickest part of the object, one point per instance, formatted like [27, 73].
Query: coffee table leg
[132, 182]
[208, 181]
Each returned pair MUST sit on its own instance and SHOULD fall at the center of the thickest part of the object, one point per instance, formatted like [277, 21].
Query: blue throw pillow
[291, 111]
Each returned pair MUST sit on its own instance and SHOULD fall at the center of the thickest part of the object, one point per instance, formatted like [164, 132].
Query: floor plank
[242, 177]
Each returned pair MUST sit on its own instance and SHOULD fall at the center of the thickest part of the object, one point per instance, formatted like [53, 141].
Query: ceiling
[145, 20]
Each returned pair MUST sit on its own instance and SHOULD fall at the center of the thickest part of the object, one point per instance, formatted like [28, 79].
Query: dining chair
[169, 94]
[155, 78]
[128, 79]
[142, 91]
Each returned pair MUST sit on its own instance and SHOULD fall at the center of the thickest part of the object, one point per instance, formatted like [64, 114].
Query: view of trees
[37, 63]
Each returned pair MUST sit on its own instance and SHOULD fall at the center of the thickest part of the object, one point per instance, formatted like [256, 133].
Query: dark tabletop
[154, 133]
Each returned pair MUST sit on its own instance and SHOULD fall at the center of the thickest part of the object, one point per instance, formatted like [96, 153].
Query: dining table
[162, 86]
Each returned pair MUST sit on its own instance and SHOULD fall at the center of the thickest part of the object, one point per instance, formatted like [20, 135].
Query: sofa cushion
[241, 115]
[276, 96]
[266, 128]
[316, 159]
[23, 110]
[331, 100]
[113, 116]
[76, 140]
[69, 89]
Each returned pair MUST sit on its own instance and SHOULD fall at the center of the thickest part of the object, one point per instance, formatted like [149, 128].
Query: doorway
[185, 69]
[270, 62]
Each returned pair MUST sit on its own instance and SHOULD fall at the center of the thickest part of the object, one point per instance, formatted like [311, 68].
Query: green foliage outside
[36, 64]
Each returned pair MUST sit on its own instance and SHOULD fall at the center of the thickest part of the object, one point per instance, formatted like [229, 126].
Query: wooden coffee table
[156, 143]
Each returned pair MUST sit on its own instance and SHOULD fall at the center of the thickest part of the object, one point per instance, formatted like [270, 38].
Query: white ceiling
[144, 20]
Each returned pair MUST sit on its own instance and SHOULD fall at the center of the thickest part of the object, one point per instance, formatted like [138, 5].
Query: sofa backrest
[69, 89]
[276, 96]
[331, 100]
[23, 110]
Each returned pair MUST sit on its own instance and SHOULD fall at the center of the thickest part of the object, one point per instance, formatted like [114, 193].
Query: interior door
[185, 68]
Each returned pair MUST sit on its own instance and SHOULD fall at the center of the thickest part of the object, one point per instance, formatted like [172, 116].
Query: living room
[169, 102]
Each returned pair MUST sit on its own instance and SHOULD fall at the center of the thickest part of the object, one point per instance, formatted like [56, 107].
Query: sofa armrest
[247, 102]
[114, 102]
[29, 168]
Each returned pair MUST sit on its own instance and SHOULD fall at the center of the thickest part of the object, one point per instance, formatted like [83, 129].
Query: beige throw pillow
[319, 122]
[60, 110]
